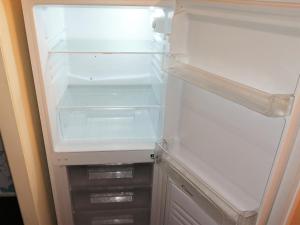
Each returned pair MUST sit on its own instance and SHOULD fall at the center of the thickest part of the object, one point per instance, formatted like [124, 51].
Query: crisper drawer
[93, 177]
[107, 124]
[120, 217]
[112, 199]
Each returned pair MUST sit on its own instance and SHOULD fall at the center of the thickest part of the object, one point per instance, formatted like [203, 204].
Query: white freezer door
[186, 199]
[182, 210]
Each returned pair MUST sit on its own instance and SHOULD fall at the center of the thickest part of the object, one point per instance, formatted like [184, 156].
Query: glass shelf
[111, 96]
[108, 47]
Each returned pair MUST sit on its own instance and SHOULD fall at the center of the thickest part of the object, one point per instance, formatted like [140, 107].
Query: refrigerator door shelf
[246, 55]
[271, 105]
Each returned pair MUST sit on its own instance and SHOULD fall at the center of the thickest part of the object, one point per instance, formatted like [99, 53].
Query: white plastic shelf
[102, 96]
[108, 47]
[271, 105]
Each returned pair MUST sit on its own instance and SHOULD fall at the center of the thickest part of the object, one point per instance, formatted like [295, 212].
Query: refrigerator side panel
[63, 218]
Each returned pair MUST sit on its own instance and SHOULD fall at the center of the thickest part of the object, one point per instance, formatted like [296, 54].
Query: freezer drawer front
[99, 177]
[120, 217]
[111, 199]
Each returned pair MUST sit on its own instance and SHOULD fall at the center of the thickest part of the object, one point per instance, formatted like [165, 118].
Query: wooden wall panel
[19, 120]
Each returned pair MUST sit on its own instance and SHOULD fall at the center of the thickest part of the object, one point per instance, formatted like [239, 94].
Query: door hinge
[161, 147]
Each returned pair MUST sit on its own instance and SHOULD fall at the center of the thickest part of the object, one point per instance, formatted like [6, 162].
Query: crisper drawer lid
[199, 191]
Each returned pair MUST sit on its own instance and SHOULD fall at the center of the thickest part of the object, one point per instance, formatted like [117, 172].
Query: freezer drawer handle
[126, 219]
[109, 173]
[112, 197]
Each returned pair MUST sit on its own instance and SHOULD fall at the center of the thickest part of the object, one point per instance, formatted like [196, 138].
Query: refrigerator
[165, 112]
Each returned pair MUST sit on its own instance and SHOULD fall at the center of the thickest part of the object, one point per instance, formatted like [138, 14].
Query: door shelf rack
[271, 105]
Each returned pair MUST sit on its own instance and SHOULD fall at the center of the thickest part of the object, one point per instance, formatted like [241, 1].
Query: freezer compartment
[115, 217]
[110, 124]
[99, 177]
[121, 198]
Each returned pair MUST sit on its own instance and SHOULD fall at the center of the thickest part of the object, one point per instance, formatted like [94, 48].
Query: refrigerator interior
[227, 142]
[102, 74]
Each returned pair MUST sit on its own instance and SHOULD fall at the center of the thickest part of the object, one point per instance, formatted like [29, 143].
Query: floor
[10, 212]
[295, 220]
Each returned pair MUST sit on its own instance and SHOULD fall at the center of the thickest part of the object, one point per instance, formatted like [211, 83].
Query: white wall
[107, 23]
[50, 27]
[19, 120]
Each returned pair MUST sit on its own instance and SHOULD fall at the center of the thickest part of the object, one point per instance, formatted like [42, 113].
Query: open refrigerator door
[232, 80]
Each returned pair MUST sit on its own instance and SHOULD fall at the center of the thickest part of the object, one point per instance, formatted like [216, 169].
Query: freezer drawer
[120, 217]
[97, 177]
[112, 199]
